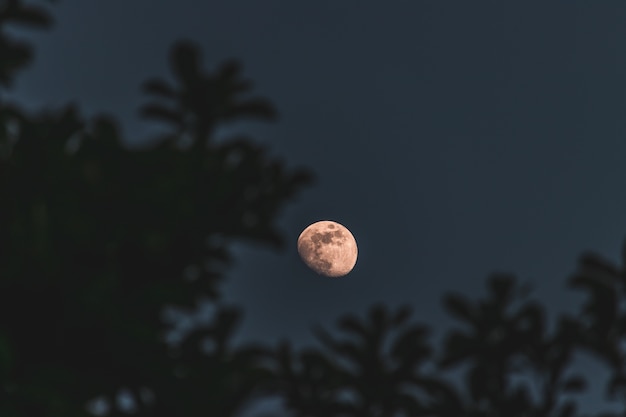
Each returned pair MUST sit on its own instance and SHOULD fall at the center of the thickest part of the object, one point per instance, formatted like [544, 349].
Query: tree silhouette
[602, 319]
[381, 372]
[371, 373]
[503, 342]
[14, 54]
[202, 101]
[97, 239]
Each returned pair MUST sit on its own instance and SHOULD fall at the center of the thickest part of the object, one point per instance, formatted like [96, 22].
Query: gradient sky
[453, 138]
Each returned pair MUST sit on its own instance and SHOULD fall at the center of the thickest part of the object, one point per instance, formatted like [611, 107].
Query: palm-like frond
[200, 101]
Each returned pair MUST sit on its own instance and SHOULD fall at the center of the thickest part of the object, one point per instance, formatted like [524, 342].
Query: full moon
[328, 248]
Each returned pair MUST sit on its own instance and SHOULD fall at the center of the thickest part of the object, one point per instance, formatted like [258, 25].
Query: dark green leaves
[15, 55]
[574, 384]
[15, 12]
[373, 370]
[504, 336]
[96, 241]
[198, 102]
[459, 307]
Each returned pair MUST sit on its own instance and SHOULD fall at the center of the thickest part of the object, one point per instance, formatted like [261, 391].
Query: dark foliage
[373, 372]
[502, 342]
[513, 366]
[14, 54]
[96, 240]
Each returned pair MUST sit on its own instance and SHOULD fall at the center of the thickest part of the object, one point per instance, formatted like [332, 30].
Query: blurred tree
[374, 372]
[511, 357]
[96, 239]
[602, 319]
[14, 54]
[513, 367]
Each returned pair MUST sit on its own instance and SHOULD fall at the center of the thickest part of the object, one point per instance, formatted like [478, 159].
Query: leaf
[440, 391]
[229, 70]
[402, 315]
[185, 61]
[517, 403]
[531, 320]
[33, 17]
[13, 56]
[324, 337]
[412, 343]
[616, 384]
[159, 88]
[226, 321]
[567, 410]
[155, 111]
[351, 324]
[594, 262]
[574, 384]
[459, 307]
[105, 129]
[501, 287]
[595, 272]
[378, 317]
[457, 347]
[227, 77]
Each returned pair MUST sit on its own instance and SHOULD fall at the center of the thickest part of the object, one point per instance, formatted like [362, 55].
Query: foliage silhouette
[97, 239]
[212, 377]
[16, 55]
[371, 373]
[513, 365]
[201, 102]
[504, 342]
[380, 370]
[602, 321]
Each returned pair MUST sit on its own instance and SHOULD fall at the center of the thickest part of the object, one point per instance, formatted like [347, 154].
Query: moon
[328, 248]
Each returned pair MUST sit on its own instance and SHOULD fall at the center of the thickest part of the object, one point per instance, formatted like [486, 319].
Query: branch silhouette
[602, 322]
[380, 368]
[200, 101]
[16, 55]
[501, 341]
[97, 240]
[373, 371]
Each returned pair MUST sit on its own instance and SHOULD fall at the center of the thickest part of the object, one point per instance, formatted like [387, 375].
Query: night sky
[453, 138]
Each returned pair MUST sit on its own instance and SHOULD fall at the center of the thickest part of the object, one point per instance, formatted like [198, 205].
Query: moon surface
[328, 248]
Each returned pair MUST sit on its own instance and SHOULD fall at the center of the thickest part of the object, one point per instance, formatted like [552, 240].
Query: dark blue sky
[454, 138]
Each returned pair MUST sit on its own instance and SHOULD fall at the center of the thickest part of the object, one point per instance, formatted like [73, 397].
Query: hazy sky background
[454, 138]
